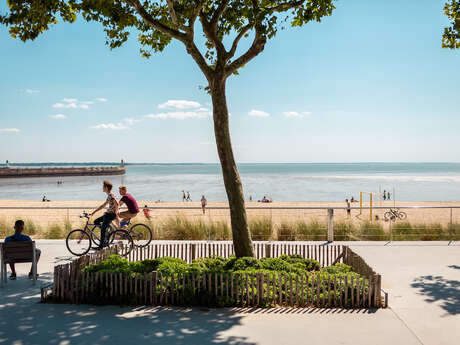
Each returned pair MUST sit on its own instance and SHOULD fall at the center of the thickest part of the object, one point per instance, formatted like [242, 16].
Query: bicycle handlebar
[85, 215]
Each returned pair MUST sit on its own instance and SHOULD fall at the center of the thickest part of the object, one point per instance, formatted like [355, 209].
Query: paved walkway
[423, 282]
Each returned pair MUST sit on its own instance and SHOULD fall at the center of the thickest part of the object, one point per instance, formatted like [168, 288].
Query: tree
[157, 23]
[451, 37]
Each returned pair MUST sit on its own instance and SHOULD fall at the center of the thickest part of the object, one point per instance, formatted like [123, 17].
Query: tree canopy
[158, 22]
[451, 37]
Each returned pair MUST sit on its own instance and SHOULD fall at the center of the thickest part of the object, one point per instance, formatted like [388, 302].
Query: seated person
[146, 212]
[130, 202]
[19, 237]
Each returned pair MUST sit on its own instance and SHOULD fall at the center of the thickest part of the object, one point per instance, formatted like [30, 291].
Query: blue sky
[369, 83]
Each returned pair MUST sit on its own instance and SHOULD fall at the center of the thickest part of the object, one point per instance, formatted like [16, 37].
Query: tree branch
[257, 47]
[284, 7]
[149, 20]
[220, 10]
[172, 12]
[199, 59]
[196, 13]
[237, 39]
[211, 35]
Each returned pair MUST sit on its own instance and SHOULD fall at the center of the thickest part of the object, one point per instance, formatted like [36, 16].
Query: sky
[371, 83]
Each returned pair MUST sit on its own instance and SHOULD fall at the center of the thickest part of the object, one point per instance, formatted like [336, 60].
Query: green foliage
[372, 231]
[212, 264]
[242, 264]
[286, 232]
[338, 268]
[157, 24]
[451, 37]
[113, 264]
[300, 262]
[313, 231]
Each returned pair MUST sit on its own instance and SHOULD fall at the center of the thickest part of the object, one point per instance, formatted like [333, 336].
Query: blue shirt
[18, 238]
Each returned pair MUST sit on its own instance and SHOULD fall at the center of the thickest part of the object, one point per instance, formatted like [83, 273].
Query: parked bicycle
[394, 214]
[79, 242]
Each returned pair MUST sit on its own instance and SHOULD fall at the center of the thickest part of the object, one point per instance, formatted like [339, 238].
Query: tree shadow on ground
[455, 267]
[23, 320]
[441, 290]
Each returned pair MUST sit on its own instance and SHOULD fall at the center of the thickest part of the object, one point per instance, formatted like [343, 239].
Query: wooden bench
[17, 252]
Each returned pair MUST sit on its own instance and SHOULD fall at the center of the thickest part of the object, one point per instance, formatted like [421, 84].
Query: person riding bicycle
[110, 214]
[130, 202]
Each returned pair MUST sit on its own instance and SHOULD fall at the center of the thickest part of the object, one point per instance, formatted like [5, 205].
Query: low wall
[49, 172]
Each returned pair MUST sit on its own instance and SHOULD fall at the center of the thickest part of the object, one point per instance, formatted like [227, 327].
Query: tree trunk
[240, 230]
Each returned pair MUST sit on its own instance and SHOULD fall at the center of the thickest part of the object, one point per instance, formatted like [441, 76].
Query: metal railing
[439, 221]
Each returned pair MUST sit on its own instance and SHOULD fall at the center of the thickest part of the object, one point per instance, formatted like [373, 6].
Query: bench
[17, 252]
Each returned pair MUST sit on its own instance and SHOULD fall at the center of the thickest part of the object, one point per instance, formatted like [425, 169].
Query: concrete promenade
[422, 278]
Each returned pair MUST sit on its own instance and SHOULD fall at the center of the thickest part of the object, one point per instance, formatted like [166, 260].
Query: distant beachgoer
[146, 212]
[45, 199]
[19, 237]
[384, 195]
[250, 198]
[388, 196]
[188, 197]
[348, 208]
[184, 198]
[110, 214]
[353, 199]
[204, 202]
[130, 202]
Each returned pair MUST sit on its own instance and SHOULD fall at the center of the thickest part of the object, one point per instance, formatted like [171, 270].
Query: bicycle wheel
[388, 215]
[141, 234]
[123, 239]
[402, 215]
[78, 242]
[96, 234]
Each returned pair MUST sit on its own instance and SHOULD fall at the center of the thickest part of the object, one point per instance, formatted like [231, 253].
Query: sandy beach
[57, 212]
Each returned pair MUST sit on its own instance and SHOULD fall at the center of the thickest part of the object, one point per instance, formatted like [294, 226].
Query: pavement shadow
[455, 267]
[23, 320]
[439, 289]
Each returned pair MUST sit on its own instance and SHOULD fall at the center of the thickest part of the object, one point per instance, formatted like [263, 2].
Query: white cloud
[58, 116]
[113, 126]
[179, 104]
[70, 100]
[181, 115]
[258, 113]
[14, 130]
[30, 91]
[296, 114]
[102, 99]
[72, 103]
[131, 121]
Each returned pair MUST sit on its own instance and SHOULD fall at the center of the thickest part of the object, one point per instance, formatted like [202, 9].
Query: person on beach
[388, 196]
[146, 212]
[19, 237]
[348, 208]
[204, 202]
[384, 195]
[131, 204]
[110, 214]
[184, 198]
[188, 197]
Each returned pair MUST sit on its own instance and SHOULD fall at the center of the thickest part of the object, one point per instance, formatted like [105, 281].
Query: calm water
[283, 182]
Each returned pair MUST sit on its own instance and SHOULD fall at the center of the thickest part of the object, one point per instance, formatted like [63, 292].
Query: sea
[322, 182]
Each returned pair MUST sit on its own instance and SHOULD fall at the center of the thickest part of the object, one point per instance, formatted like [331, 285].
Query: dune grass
[262, 229]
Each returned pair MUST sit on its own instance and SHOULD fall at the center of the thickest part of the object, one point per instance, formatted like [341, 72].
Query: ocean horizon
[322, 182]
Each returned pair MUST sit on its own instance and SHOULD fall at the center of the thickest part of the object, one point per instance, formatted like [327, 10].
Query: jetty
[8, 172]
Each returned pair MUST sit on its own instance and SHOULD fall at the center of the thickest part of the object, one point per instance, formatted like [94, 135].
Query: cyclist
[110, 214]
[130, 202]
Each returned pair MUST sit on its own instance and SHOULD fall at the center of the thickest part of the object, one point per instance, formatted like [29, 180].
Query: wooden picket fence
[221, 289]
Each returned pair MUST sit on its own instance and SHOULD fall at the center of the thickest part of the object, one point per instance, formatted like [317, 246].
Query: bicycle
[141, 233]
[394, 214]
[79, 241]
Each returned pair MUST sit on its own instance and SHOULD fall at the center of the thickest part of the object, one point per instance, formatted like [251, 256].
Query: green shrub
[243, 263]
[276, 264]
[114, 263]
[338, 268]
[212, 264]
[261, 229]
[300, 262]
